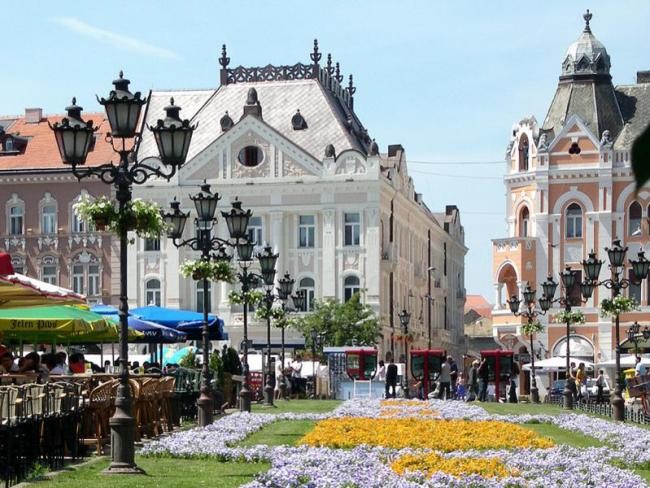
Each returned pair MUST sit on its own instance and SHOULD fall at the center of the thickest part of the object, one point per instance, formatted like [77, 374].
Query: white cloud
[116, 40]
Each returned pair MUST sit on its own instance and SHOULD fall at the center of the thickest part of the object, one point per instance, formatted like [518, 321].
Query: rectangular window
[19, 268]
[93, 280]
[48, 220]
[152, 244]
[48, 274]
[199, 296]
[634, 289]
[78, 278]
[255, 231]
[306, 231]
[153, 297]
[352, 229]
[15, 221]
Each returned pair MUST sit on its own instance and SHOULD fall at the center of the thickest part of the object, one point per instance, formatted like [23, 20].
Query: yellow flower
[441, 435]
[432, 463]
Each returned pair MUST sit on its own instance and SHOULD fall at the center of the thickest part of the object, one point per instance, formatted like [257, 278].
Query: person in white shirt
[296, 375]
[381, 371]
[445, 379]
[278, 377]
[640, 368]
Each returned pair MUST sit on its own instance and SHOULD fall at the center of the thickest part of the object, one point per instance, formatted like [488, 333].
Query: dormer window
[12, 145]
[9, 144]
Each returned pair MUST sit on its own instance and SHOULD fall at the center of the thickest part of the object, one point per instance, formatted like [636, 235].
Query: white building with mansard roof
[285, 140]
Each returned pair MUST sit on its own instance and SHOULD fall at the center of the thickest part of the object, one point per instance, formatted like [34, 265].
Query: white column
[497, 296]
[372, 254]
[277, 240]
[328, 283]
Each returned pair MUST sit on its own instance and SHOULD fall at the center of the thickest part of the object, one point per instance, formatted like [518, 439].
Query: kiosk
[500, 367]
[425, 366]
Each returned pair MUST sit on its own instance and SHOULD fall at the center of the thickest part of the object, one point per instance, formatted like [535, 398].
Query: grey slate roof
[326, 119]
[634, 101]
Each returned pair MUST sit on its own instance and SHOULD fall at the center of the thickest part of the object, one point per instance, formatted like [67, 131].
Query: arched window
[634, 220]
[308, 287]
[523, 152]
[524, 222]
[574, 221]
[152, 292]
[350, 287]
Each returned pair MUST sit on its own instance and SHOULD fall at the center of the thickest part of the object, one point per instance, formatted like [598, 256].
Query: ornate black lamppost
[404, 319]
[205, 203]
[284, 292]
[634, 333]
[531, 314]
[640, 267]
[568, 279]
[74, 137]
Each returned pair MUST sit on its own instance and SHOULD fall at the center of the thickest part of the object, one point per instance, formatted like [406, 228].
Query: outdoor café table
[18, 378]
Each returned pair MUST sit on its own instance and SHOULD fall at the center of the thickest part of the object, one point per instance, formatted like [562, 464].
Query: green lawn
[298, 406]
[283, 432]
[161, 472]
[563, 436]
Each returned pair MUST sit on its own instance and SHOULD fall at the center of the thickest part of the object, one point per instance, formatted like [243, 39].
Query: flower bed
[385, 467]
[441, 435]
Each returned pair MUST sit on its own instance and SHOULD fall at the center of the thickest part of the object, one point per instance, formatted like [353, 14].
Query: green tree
[340, 324]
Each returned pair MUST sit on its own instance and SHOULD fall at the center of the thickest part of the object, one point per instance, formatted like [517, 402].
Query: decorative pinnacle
[74, 100]
[587, 16]
[171, 101]
[224, 60]
[330, 68]
[351, 87]
[121, 75]
[337, 73]
[315, 55]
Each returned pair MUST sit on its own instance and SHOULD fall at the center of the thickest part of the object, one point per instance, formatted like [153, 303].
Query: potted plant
[99, 211]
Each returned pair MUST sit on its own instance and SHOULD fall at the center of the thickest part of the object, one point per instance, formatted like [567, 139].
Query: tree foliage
[340, 324]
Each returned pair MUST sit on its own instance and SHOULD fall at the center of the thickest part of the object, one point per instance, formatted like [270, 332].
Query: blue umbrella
[153, 333]
[183, 320]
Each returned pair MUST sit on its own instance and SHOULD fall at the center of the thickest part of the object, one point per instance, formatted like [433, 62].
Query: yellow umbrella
[50, 324]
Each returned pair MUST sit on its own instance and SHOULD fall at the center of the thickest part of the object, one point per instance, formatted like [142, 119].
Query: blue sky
[445, 79]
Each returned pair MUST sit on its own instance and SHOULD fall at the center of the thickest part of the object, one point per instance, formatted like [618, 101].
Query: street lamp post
[74, 137]
[568, 279]
[404, 319]
[205, 203]
[530, 313]
[284, 292]
[640, 267]
[267, 260]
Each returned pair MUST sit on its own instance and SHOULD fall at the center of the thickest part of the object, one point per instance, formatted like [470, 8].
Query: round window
[251, 156]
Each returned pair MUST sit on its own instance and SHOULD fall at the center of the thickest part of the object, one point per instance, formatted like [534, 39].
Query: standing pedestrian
[483, 378]
[445, 379]
[472, 381]
[391, 378]
[453, 373]
[581, 380]
[600, 385]
[512, 390]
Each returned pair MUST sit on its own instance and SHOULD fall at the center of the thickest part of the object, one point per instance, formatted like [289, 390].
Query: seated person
[7, 364]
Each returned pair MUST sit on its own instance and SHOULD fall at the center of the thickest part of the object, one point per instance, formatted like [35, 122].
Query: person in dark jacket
[391, 378]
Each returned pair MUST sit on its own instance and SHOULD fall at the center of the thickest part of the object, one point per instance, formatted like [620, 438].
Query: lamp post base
[534, 394]
[618, 405]
[568, 397]
[205, 407]
[268, 392]
[122, 444]
[244, 399]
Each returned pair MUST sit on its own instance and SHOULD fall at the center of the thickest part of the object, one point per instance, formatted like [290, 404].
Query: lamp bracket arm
[140, 172]
[108, 172]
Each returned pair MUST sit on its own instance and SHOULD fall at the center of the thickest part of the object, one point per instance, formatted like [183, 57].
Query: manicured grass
[563, 436]
[644, 473]
[283, 432]
[161, 473]
[298, 406]
[521, 408]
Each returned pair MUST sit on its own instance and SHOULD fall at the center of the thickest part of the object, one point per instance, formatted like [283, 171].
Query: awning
[627, 361]
[557, 363]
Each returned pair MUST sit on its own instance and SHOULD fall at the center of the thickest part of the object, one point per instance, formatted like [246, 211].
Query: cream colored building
[285, 140]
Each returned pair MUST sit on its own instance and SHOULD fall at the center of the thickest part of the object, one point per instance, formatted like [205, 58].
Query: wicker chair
[166, 389]
[97, 413]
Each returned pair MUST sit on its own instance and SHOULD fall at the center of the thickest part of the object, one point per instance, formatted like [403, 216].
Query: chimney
[643, 76]
[33, 115]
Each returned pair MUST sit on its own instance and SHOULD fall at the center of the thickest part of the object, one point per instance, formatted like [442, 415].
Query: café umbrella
[151, 333]
[53, 324]
[17, 290]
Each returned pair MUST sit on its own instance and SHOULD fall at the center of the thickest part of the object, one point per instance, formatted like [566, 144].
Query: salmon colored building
[38, 226]
[570, 189]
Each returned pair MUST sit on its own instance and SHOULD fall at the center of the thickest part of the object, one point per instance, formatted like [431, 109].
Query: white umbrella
[557, 363]
[627, 361]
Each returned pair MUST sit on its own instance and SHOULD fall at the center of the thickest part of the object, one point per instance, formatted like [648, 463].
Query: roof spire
[337, 73]
[587, 16]
[315, 55]
[224, 60]
[330, 68]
